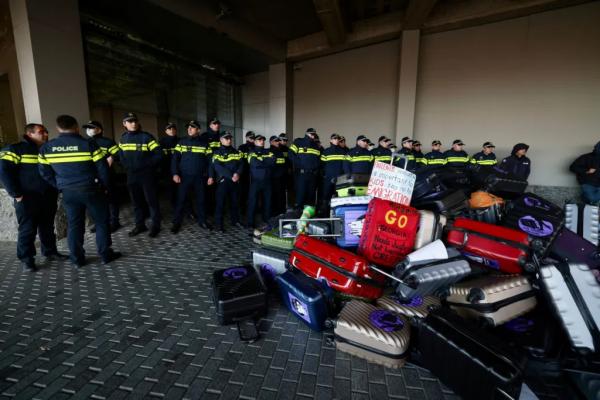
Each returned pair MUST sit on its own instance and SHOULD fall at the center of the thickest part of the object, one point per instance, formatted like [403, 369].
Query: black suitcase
[239, 296]
[452, 203]
[455, 178]
[428, 184]
[471, 362]
[530, 203]
[504, 187]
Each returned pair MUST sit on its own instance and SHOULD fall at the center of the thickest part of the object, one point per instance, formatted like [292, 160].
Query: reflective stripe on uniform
[333, 157]
[113, 150]
[421, 160]
[436, 161]
[152, 145]
[359, 158]
[97, 155]
[260, 157]
[57, 158]
[192, 149]
[10, 156]
[227, 158]
[133, 147]
[457, 159]
[280, 160]
[386, 159]
[214, 144]
[29, 159]
[484, 162]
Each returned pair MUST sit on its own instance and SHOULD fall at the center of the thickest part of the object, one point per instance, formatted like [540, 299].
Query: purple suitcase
[573, 249]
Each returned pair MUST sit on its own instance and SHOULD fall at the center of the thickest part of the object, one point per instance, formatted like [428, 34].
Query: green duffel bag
[272, 240]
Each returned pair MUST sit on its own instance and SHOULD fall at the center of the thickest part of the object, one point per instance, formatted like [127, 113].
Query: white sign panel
[391, 183]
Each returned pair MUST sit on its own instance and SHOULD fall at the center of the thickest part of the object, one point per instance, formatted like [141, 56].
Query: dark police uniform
[191, 161]
[332, 165]
[358, 161]
[382, 154]
[110, 148]
[305, 157]
[278, 174]
[411, 164]
[212, 138]
[35, 212]
[435, 158]
[141, 154]
[420, 159]
[78, 168]
[245, 148]
[456, 159]
[288, 178]
[261, 162]
[485, 160]
[226, 162]
[167, 144]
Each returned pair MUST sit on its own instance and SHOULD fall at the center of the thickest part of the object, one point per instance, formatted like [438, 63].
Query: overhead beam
[445, 16]
[242, 32]
[417, 12]
[331, 18]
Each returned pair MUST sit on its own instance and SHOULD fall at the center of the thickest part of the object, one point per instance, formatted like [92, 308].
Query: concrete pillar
[280, 100]
[407, 84]
[50, 56]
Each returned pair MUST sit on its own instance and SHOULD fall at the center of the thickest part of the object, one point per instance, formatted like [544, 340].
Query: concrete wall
[534, 79]
[255, 103]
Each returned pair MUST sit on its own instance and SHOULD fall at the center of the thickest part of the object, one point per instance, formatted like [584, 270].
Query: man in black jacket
[517, 163]
[587, 169]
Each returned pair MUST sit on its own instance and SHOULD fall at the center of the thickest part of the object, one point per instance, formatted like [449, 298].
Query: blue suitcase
[352, 217]
[308, 299]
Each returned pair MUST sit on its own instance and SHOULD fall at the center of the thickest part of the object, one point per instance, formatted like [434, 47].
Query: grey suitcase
[427, 278]
[417, 307]
[431, 227]
[583, 219]
[493, 298]
[375, 334]
[575, 295]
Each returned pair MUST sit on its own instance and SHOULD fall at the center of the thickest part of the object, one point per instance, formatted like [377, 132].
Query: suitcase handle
[410, 284]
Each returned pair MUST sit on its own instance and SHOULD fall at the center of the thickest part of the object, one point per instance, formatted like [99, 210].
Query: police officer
[261, 162]
[456, 157]
[226, 170]
[517, 163]
[486, 156]
[94, 130]
[246, 148]
[277, 176]
[435, 158]
[141, 154]
[382, 153]
[78, 168]
[420, 159]
[288, 185]
[34, 199]
[342, 144]
[305, 156]
[359, 160]
[190, 164]
[407, 151]
[212, 137]
[332, 165]
[167, 144]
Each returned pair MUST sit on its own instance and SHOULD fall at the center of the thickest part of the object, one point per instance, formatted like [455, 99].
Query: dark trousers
[76, 202]
[244, 189]
[305, 185]
[278, 189]
[258, 187]
[226, 188]
[327, 190]
[144, 192]
[190, 183]
[35, 215]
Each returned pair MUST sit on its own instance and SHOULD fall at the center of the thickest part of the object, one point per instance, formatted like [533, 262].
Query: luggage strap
[509, 242]
[400, 356]
[493, 307]
[580, 214]
[563, 268]
[340, 270]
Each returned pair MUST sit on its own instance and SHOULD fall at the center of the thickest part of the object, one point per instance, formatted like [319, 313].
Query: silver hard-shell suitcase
[494, 298]
[417, 307]
[575, 295]
[375, 334]
[431, 227]
[269, 263]
[584, 220]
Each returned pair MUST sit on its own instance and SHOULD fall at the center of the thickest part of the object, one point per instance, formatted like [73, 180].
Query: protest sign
[391, 183]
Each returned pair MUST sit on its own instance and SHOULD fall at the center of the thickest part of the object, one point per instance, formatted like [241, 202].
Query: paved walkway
[144, 327]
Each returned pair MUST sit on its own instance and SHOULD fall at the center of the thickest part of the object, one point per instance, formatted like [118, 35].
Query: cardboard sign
[391, 183]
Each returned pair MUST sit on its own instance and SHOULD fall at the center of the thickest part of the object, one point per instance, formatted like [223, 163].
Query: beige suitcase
[494, 298]
[375, 334]
[417, 307]
[431, 227]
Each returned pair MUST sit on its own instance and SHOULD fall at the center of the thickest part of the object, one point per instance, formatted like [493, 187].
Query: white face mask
[90, 132]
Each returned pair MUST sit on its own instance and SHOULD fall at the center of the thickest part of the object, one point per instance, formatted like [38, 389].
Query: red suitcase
[497, 247]
[389, 232]
[344, 271]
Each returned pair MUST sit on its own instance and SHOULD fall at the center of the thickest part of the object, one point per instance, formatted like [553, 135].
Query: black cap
[130, 117]
[334, 136]
[342, 138]
[362, 137]
[416, 143]
[488, 144]
[226, 134]
[193, 123]
[383, 139]
[250, 134]
[406, 139]
[274, 138]
[458, 142]
[283, 136]
[260, 137]
[170, 125]
[92, 124]
[436, 142]
[311, 130]
[214, 120]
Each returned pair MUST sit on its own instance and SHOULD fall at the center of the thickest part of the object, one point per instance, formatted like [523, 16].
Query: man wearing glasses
[35, 201]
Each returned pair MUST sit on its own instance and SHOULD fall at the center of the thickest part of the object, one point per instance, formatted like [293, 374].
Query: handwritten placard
[391, 183]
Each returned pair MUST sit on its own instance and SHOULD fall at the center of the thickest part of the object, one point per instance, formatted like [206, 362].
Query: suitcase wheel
[530, 267]
[329, 323]
[475, 295]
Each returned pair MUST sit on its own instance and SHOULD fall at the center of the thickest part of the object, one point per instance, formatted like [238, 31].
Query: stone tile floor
[144, 327]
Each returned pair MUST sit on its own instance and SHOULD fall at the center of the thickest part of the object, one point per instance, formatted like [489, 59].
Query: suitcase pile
[483, 291]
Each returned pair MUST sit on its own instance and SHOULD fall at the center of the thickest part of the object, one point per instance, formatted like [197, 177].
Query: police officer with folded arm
[305, 156]
[34, 199]
[277, 177]
[486, 157]
[456, 157]
[407, 151]
[167, 144]
[261, 162]
[141, 154]
[78, 168]
[382, 153]
[359, 160]
[225, 171]
[95, 131]
[189, 167]
[435, 158]
[332, 165]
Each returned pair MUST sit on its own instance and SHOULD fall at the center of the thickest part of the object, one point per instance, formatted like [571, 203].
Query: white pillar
[407, 84]
[50, 57]
[279, 115]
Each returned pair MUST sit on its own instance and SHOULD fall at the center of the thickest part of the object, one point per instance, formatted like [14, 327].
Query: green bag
[272, 240]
